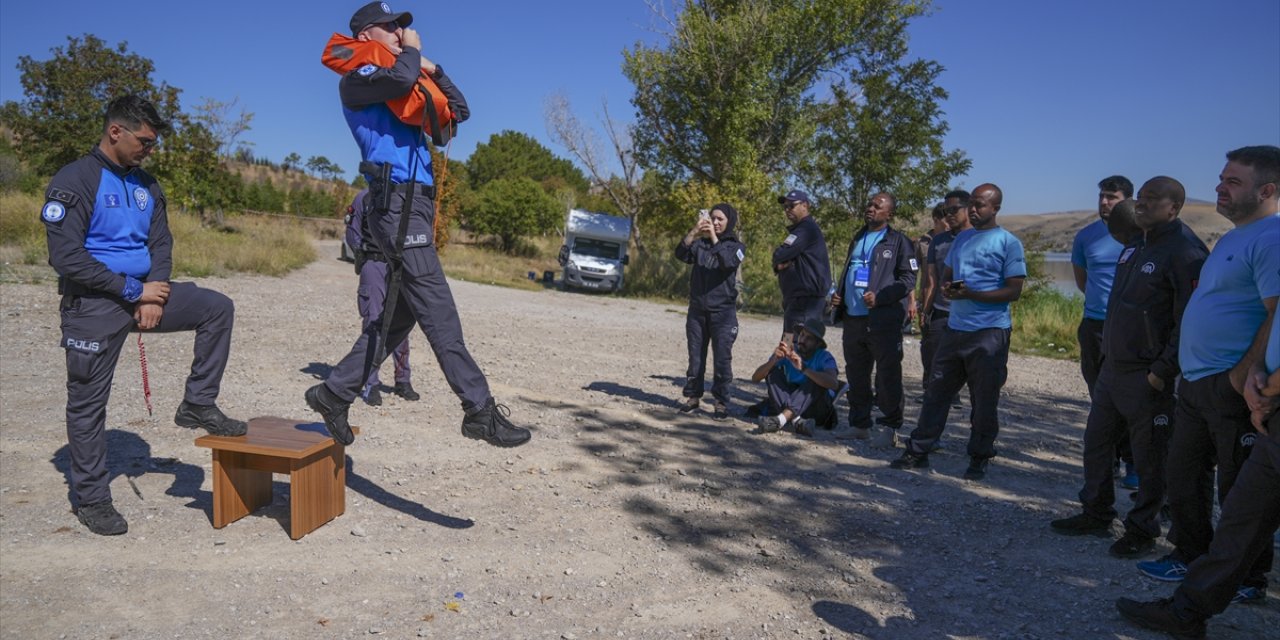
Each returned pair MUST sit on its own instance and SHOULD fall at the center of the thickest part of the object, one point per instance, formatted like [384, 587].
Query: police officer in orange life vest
[397, 164]
[109, 241]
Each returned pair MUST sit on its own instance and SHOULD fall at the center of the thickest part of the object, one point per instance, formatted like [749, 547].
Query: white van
[594, 250]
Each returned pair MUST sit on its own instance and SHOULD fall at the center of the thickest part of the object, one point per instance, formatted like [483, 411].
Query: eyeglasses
[791, 205]
[146, 143]
[389, 27]
[954, 209]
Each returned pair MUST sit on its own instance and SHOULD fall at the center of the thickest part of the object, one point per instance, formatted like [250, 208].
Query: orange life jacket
[345, 54]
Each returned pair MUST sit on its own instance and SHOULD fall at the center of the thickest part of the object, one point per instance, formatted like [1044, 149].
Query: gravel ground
[623, 518]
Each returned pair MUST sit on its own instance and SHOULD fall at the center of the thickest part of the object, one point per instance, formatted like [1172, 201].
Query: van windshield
[596, 248]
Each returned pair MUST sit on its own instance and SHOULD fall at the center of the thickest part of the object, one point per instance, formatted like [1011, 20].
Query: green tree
[60, 117]
[291, 161]
[740, 97]
[511, 154]
[513, 208]
[226, 126]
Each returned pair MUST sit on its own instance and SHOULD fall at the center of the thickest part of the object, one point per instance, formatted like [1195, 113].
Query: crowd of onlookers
[1180, 351]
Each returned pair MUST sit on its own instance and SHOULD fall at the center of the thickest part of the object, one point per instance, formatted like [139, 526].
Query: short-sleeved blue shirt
[984, 260]
[1095, 251]
[822, 360]
[1272, 357]
[1225, 311]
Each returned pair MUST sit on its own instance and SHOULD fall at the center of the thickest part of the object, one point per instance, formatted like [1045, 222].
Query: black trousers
[805, 400]
[930, 335]
[980, 359]
[865, 348]
[425, 300]
[1211, 429]
[719, 329]
[1124, 402]
[94, 330]
[1089, 335]
[1250, 517]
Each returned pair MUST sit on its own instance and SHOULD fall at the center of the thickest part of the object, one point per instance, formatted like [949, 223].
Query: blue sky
[1046, 97]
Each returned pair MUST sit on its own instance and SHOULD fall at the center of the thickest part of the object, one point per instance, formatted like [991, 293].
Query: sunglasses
[146, 143]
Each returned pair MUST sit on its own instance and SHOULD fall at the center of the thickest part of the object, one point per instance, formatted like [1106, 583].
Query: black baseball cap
[795, 195]
[378, 13]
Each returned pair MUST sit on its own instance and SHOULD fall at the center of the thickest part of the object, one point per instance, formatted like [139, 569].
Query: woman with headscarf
[715, 253]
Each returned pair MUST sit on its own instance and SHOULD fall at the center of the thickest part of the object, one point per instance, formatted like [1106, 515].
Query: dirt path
[621, 519]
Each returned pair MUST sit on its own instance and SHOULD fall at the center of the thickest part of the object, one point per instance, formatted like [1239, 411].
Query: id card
[862, 277]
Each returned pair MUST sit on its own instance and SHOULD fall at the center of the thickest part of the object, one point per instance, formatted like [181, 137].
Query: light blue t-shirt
[984, 260]
[1225, 310]
[861, 257]
[1095, 251]
[822, 360]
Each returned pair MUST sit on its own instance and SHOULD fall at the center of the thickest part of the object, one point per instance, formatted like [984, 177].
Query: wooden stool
[242, 468]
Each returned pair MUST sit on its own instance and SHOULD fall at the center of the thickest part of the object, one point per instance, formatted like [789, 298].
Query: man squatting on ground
[1093, 261]
[801, 379]
[385, 140]
[715, 253]
[879, 270]
[802, 264]
[371, 296]
[109, 241]
[1133, 392]
[936, 310]
[984, 272]
[1224, 332]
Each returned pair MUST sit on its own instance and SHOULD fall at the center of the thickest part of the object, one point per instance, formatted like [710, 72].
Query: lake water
[1058, 267]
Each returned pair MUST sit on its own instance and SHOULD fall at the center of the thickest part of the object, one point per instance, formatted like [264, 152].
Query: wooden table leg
[237, 489]
[317, 488]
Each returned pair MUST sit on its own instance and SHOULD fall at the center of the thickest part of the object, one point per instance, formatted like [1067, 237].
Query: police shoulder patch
[367, 70]
[53, 212]
[741, 256]
[791, 239]
[62, 195]
[915, 266]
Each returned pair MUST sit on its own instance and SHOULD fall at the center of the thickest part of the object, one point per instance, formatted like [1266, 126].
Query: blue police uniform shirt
[121, 225]
[984, 260]
[383, 138]
[861, 258]
[1095, 251]
[821, 361]
[1225, 310]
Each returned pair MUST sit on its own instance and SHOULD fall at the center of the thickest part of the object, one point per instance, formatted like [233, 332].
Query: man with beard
[801, 377]
[1154, 279]
[984, 273]
[879, 271]
[1224, 333]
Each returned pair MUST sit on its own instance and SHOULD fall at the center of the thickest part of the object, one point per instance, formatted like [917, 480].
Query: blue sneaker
[1130, 480]
[1249, 595]
[1166, 569]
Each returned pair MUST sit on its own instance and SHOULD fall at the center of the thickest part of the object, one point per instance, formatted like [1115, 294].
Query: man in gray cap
[801, 262]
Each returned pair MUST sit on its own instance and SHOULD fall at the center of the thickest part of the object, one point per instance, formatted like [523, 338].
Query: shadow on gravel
[372, 491]
[130, 456]
[317, 370]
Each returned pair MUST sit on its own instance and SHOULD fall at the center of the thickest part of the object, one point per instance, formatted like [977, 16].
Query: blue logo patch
[142, 197]
[113, 200]
[53, 212]
[367, 70]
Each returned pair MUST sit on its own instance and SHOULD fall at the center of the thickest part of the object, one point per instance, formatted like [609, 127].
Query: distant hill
[1055, 231]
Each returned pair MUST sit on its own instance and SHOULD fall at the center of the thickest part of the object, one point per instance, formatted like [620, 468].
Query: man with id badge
[879, 271]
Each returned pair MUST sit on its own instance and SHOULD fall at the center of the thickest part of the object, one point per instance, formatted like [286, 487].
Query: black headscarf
[732, 215]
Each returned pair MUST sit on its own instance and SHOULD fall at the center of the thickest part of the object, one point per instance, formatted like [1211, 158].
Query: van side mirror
[626, 260]
[563, 258]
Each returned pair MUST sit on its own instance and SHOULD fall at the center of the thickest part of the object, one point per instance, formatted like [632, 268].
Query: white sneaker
[885, 438]
[849, 432]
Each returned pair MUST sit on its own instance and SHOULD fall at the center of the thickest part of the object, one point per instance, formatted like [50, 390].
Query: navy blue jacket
[809, 275]
[893, 276]
[713, 284]
[106, 226]
[1154, 280]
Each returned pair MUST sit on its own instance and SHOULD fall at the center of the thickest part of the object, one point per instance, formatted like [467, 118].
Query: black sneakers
[977, 468]
[102, 518]
[1132, 544]
[489, 423]
[333, 410]
[1082, 524]
[911, 461]
[405, 390]
[689, 404]
[721, 413]
[209, 418]
[373, 397]
[1160, 615]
